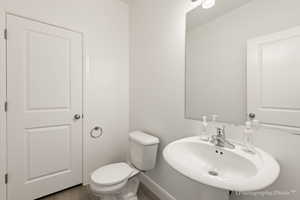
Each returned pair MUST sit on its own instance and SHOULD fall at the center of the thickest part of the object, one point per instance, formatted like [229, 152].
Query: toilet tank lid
[143, 138]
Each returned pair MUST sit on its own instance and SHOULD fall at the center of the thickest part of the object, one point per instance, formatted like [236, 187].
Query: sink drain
[213, 173]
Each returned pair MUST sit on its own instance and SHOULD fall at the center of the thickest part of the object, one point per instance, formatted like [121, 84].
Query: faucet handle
[221, 131]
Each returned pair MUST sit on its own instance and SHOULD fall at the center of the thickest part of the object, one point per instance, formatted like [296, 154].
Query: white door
[273, 72]
[44, 93]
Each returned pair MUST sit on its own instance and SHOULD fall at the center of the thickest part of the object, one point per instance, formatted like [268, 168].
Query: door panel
[45, 140]
[55, 93]
[44, 92]
[273, 78]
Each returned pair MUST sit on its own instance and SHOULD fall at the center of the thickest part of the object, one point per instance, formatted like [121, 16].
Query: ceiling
[199, 16]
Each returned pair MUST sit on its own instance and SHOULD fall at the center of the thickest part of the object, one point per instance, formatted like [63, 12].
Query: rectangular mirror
[216, 53]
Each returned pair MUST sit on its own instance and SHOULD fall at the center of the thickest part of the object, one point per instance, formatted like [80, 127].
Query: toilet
[119, 181]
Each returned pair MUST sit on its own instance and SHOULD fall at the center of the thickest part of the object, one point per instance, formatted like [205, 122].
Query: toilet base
[116, 198]
[129, 192]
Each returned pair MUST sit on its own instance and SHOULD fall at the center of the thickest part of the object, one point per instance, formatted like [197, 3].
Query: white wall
[157, 86]
[105, 25]
[157, 98]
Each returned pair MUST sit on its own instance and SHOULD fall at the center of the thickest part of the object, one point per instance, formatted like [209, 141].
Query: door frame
[3, 153]
[3, 98]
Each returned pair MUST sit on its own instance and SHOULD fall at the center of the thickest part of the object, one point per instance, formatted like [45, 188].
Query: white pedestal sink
[229, 169]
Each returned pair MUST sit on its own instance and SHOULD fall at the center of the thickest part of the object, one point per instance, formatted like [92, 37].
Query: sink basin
[229, 169]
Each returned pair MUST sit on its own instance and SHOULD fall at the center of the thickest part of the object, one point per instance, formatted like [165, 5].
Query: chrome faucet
[220, 140]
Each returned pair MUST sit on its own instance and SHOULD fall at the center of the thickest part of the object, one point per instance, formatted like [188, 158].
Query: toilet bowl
[119, 181]
[116, 181]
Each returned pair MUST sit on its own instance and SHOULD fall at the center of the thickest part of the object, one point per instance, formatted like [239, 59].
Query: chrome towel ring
[96, 132]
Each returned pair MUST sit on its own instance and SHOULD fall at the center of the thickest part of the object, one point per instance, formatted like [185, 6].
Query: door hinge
[6, 178]
[5, 34]
[5, 106]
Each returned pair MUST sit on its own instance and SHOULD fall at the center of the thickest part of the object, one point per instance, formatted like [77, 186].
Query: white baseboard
[160, 192]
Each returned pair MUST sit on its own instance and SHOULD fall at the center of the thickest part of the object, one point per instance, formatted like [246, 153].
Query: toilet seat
[112, 174]
[111, 178]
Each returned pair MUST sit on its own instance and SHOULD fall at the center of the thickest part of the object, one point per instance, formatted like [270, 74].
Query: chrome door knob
[77, 116]
[252, 116]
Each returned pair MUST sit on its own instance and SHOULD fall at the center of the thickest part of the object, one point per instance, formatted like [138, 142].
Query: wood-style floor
[82, 193]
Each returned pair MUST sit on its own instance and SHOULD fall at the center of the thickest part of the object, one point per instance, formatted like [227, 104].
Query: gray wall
[157, 94]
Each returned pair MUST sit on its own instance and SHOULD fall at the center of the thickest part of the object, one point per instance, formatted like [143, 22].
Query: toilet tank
[143, 150]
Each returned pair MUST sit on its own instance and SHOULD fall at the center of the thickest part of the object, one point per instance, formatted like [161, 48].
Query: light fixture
[208, 3]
